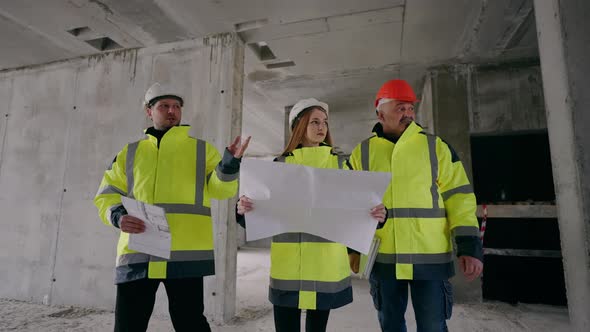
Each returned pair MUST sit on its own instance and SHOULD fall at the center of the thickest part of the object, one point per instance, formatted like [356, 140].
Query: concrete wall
[352, 125]
[463, 100]
[499, 99]
[61, 126]
[450, 120]
[506, 98]
[264, 120]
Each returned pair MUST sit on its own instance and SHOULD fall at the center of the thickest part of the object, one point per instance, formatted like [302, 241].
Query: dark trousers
[432, 301]
[135, 303]
[289, 320]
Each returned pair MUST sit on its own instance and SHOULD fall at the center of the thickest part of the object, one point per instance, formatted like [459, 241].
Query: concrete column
[424, 112]
[266, 242]
[220, 107]
[450, 100]
[450, 117]
[564, 45]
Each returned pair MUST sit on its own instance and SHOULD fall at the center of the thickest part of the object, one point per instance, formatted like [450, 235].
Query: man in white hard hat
[170, 169]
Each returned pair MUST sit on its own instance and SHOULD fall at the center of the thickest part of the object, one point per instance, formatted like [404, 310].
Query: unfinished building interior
[502, 81]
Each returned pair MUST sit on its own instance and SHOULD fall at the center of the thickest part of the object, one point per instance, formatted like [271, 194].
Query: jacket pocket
[375, 293]
[448, 298]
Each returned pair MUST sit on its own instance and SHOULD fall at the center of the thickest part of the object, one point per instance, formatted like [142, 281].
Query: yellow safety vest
[308, 271]
[429, 199]
[181, 175]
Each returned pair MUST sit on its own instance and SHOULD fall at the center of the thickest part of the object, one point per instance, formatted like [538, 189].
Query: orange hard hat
[396, 89]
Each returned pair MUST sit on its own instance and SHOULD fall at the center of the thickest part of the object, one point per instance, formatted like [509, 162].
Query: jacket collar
[177, 132]
[323, 145]
[412, 129]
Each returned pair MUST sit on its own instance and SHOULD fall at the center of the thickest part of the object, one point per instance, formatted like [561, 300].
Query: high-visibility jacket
[180, 174]
[308, 271]
[430, 199]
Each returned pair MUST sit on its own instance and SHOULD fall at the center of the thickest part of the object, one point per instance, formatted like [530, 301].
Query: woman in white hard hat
[307, 271]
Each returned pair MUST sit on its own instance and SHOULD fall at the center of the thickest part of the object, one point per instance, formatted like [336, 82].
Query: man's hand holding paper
[151, 234]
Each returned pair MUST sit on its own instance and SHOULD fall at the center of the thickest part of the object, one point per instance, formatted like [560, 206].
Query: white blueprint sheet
[333, 204]
[156, 238]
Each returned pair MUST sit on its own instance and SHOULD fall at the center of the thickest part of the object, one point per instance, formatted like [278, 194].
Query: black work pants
[135, 303]
[289, 319]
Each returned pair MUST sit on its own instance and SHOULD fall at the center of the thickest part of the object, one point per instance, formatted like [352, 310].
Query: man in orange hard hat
[432, 201]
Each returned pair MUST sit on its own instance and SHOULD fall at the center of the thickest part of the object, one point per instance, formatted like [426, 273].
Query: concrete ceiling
[341, 50]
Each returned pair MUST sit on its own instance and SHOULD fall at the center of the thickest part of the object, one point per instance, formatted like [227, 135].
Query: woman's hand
[244, 205]
[379, 213]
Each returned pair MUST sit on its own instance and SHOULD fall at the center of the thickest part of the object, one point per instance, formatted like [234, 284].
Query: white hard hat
[302, 105]
[160, 91]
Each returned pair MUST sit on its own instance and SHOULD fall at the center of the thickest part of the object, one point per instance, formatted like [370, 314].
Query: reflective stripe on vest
[414, 258]
[111, 190]
[197, 208]
[365, 154]
[465, 231]
[175, 256]
[435, 211]
[131, 150]
[466, 189]
[310, 285]
[433, 169]
[298, 238]
[416, 213]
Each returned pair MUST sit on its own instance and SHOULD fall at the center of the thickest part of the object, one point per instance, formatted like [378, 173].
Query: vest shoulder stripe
[365, 154]
[130, 160]
[433, 169]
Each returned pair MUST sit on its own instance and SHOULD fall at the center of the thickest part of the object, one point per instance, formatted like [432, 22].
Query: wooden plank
[523, 252]
[519, 211]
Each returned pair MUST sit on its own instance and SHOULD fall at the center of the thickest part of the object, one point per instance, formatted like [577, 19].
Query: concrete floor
[255, 312]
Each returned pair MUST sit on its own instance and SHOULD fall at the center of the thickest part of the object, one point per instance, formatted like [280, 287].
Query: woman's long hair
[300, 130]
